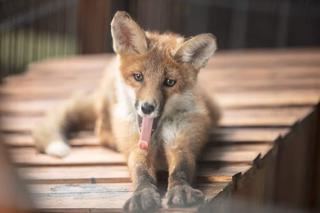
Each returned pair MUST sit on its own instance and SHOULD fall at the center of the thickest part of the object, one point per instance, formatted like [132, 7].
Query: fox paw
[183, 196]
[144, 200]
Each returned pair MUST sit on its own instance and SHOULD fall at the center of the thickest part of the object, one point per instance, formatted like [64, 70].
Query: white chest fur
[175, 116]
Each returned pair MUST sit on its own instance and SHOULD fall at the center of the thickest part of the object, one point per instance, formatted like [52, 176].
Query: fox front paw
[184, 196]
[144, 200]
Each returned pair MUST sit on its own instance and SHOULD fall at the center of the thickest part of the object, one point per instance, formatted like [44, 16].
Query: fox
[150, 107]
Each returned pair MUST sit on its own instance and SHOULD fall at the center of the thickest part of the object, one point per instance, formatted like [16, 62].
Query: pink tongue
[145, 135]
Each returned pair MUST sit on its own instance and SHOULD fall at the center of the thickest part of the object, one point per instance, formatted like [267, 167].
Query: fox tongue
[145, 135]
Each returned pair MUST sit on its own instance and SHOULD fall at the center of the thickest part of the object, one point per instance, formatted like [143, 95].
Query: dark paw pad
[144, 200]
[184, 196]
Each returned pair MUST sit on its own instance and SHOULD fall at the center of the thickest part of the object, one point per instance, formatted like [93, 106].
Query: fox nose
[147, 108]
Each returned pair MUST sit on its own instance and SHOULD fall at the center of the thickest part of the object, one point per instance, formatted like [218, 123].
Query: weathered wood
[267, 58]
[103, 156]
[231, 118]
[116, 174]
[227, 100]
[220, 136]
[286, 175]
[294, 185]
[279, 76]
[96, 196]
[262, 93]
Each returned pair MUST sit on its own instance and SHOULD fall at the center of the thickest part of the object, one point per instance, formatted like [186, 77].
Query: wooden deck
[262, 94]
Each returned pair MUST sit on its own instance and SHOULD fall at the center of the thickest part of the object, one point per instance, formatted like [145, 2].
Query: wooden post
[156, 15]
[94, 18]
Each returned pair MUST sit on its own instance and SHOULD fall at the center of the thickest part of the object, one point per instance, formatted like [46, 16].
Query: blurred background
[31, 30]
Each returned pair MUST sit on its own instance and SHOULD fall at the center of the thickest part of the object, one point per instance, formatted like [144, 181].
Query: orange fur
[185, 113]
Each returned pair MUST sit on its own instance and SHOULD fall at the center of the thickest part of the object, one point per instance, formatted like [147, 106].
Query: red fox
[149, 107]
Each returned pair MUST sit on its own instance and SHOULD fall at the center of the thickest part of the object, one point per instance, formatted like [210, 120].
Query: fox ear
[127, 35]
[197, 50]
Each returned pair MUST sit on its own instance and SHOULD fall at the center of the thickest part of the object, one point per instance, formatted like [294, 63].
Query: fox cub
[149, 107]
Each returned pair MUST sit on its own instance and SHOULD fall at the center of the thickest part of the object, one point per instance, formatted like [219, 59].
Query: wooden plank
[219, 86]
[237, 117]
[220, 136]
[26, 140]
[42, 89]
[230, 101]
[217, 74]
[115, 174]
[263, 117]
[96, 196]
[218, 77]
[294, 185]
[78, 156]
[226, 100]
[234, 74]
[80, 196]
[247, 58]
[265, 85]
[76, 174]
[118, 210]
[103, 156]
[271, 58]
[28, 107]
[67, 70]
[267, 99]
[286, 175]
[91, 73]
[254, 59]
[247, 135]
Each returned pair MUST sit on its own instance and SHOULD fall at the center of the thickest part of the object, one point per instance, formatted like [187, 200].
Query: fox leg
[181, 173]
[181, 154]
[145, 197]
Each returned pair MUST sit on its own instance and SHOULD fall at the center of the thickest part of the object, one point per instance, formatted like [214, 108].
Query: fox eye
[138, 77]
[169, 82]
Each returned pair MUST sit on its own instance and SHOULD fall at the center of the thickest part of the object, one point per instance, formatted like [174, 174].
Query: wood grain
[262, 94]
[104, 156]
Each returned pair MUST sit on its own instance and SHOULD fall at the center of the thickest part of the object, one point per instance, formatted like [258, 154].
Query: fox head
[156, 66]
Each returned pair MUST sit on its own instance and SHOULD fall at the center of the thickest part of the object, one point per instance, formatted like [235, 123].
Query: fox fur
[185, 114]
